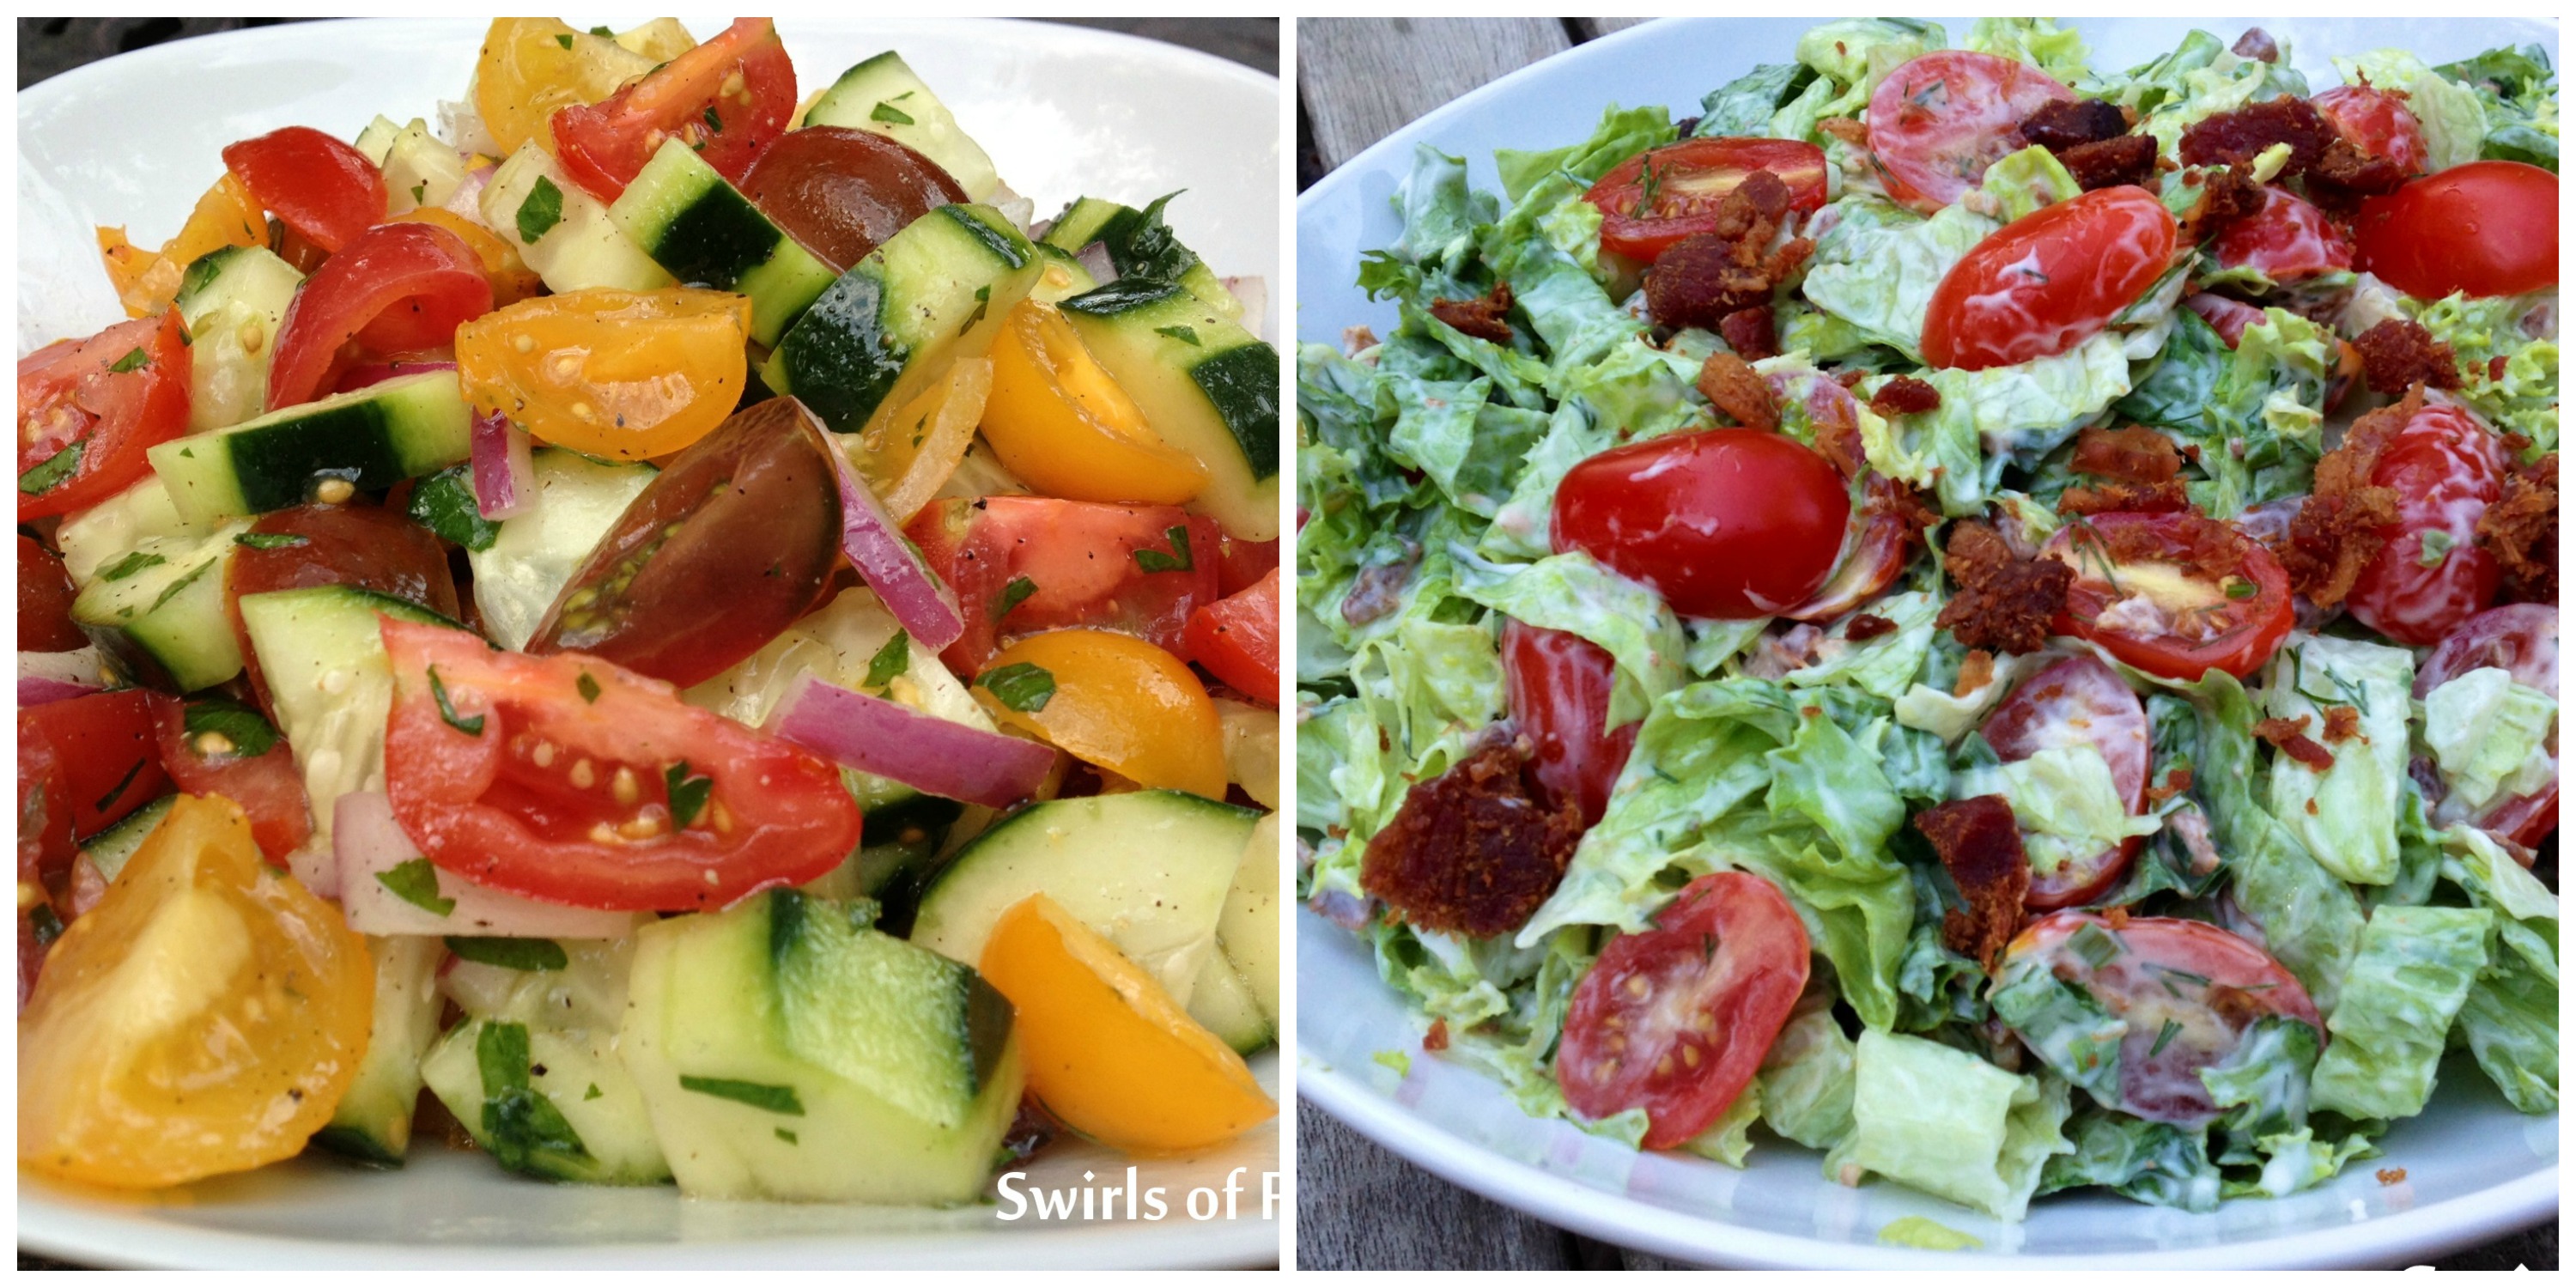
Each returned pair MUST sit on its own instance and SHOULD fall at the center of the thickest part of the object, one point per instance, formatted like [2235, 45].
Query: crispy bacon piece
[1905, 396]
[2343, 724]
[2521, 531]
[2256, 44]
[2072, 123]
[2168, 497]
[2292, 738]
[1868, 626]
[1976, 671]
[2177, 781]
[1980, 844]
[2136, 454]
[1749, 332]
[1481, 317]
[2005, 602]
[2226, 199]
[2397, 353]
[1737, 389]
[1438, 1038]
[2231, 138]
[1850, 130]
[2390, 1175]
[2128, 159]
[1704, 277]
[1472, 851]
[2336, 532]
[2346, 174]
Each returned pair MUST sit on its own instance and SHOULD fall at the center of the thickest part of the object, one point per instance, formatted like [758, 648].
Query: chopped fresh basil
[50, 472]
[1185, 335]
[714, 122]
[447, 710]
[509, 954]
[565, 41]
[271, 540]
[785, 1135]
[593, 1093]
[1021, 686]
[889, 113]
[892, 660]
[130, 565]
[604, 34]
[588, 687]
[415, 882]
[133, 361]
[1176, 561]
[519, 1122]
[758, 1095]
[237, 723]
[420, 193]
[983, 300]
[1019, 588]
[444, 503]
[542, 210]
[46, 923]
[688, 793]
[172, 590]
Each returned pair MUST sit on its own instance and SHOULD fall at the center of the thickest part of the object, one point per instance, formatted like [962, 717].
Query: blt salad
[1985, 615]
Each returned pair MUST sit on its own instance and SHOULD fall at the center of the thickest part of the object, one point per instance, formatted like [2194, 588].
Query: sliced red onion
[369, 843]
[505, 474]
[467, 200]
[1094, 259]
[889, 739]
[1254, 294]
[891, 566]
[52, 677]
[376, 373]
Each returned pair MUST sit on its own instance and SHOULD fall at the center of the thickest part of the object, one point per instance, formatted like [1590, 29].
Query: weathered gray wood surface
[1359, 80]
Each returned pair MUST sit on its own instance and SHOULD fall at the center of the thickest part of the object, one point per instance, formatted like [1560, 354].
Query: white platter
[2474, 1167]
[1064, 111]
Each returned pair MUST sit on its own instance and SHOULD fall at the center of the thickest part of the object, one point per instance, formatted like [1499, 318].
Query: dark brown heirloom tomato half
[722, 551]
[44, 601]
[841, 193]
[365, 546]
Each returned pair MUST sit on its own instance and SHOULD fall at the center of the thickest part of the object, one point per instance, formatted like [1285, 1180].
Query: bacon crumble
[1979, 843]
[2237, 137]
[2110, 163]
[2521, 531]
[2005, 602]
[1481, 317]
[1702, 278]
[1905, 396]
[1749, 332]
[2292, 738]
[1868, 626]
[1734, 387]
[2398, 352]
[2343, 724]
[2337, 531]
[1472, 851]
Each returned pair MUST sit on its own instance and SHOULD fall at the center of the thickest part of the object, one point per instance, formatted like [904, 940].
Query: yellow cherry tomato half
[1059, 421]
[146, 282]
[1113, 700]
[204, 1018]
[906, 457]
[1109, 1053]
[530, 68]
[622, 374]
[512, 279]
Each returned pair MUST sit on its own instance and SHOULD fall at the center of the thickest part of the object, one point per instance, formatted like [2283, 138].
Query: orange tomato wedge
[1116, 701]
[626, 375]
[1109, 1053]
[147, 282]
[1060, 421]
[512, 279]
[204, 1018]
[906, 457]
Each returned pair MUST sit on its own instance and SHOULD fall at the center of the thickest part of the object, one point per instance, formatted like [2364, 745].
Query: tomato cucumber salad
[666, 611]
[1983, 614]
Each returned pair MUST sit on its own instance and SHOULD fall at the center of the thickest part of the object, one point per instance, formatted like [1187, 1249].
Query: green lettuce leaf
[1729, 1140]
[1572, 592]
[2255, 414]
[1949, 1124]
[1991, 418]
[1743, 107]
[1877, 266]
[2346, 815]
[2510, 1020]
[2489, 735]
[2065, 801]
[2520, 94]
[2407, 982]
[2151, 1162]
[2040, 42]
[2523, 397]
[1883, 664]
[1806, 1080]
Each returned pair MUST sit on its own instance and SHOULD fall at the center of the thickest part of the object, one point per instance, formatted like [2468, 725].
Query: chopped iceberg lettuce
[1950, 1124]
[2408, 981]
[2346, 813]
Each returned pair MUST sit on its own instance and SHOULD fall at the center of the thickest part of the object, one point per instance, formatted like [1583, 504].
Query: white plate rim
[103, 1237]
[2417, 1233]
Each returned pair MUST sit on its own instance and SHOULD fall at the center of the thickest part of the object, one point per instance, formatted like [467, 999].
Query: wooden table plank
[1596, 28]
[1362, 1208]
[1360, 79]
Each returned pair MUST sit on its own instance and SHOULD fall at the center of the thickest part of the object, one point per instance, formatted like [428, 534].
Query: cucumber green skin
[1149, 870]
[1091, 219]
[616, 1131]
[1217, 399]
[109, 850]
[165, 626]
[1223, 1003]
[700, 229]
[373, 1121]
[880, 334]
[227, 294]
[708, 998]
[375, 437]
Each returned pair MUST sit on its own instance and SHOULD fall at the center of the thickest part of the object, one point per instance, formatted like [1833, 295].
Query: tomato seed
[583, 775]
[625, 788]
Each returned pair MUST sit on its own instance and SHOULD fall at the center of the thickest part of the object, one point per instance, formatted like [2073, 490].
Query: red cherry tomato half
[742, 77]
[2175, 595]
[315, 184]
[2078, 702]
[1023, 565]
[2189, 991]
[108, 753]
[1241, 563]
[44, 601]
[1237, 637]
[508, 771]
[45, 844]
[2227, 317]
[266, 786]
[87, 410]
[1676, 1020]
[1937, 122]
[2446, 469]
[1557, 687]
[1690, 180]
[2378, 123]
[2049, 281]
[396, 289]
[2287, 240]
[1729, 523]
[2485, 228]
[841, 192]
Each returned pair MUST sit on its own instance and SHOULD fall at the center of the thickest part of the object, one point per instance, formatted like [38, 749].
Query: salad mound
[1987, 616]
[675, 618]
